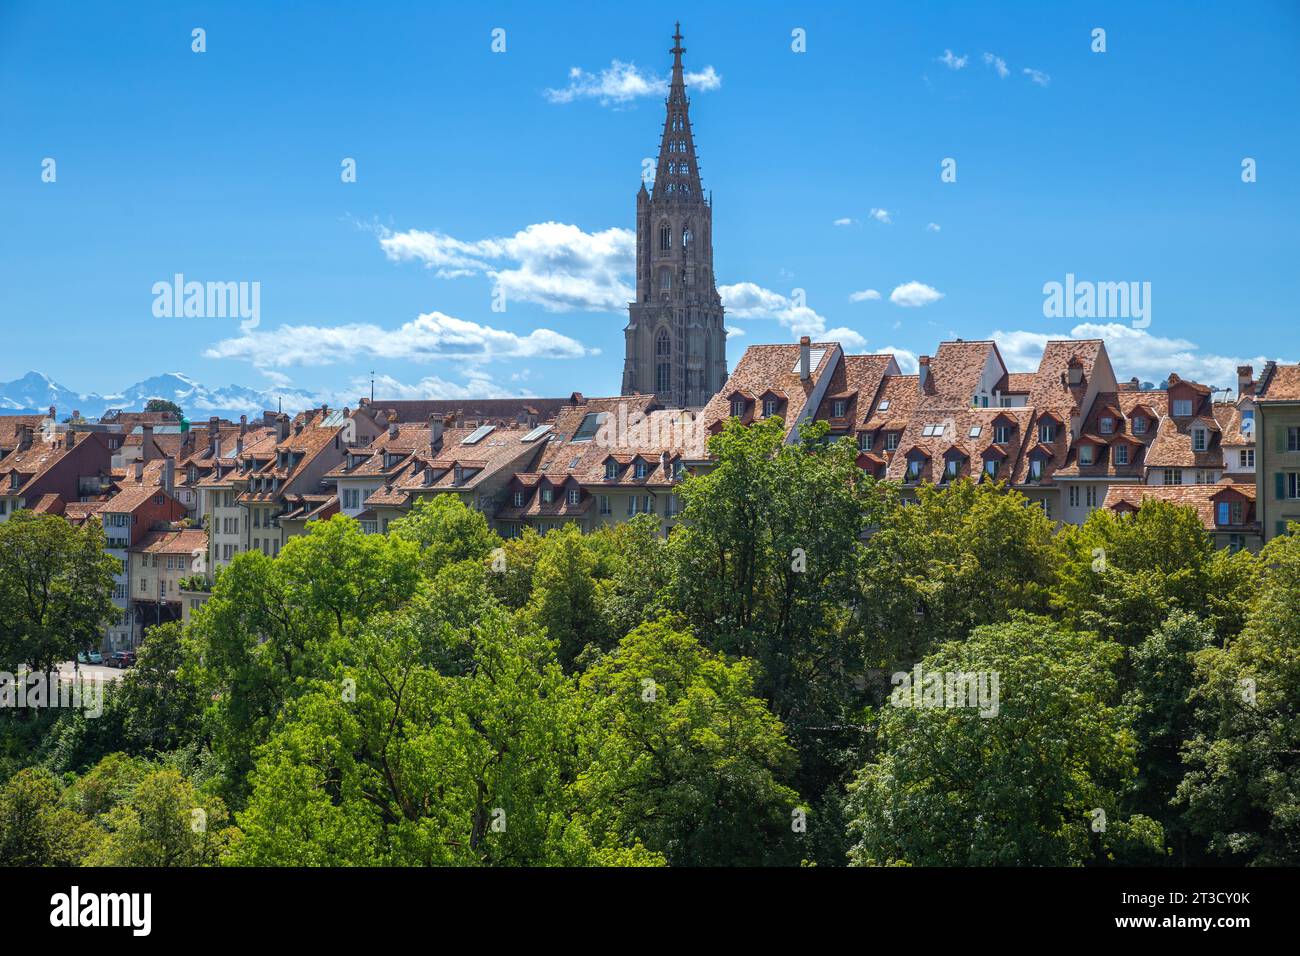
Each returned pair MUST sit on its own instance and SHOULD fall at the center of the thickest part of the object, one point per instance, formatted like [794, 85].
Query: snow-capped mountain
[35, 392]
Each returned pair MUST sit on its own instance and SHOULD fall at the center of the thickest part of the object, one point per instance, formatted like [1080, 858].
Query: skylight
[477, 435]
[814, 359]
[537, 433]
[591, 423]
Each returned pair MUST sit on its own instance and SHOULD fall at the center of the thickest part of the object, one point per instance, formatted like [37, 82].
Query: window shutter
[1279, 480]
[1281, 527]
[1281, 438]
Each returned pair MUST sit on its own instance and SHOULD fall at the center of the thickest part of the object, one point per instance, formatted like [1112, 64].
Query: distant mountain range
[35, 392]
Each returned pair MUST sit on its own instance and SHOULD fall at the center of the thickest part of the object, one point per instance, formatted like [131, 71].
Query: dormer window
[950, 469]
[891, 441]
[1121, 454]
[611, 470]
[1035, 469]
[914, 469]
[991, 468]
[737, 408]
[640, 469]
[1182, 407]
[458, 475]
[1139, 425]
[865, 441]
[770, 406]
[1200, 439]
[548, 495]
[1046, 431]
[575, 496]
[1107, 425]
[1001, 434]
[838, 408]
[518, 499]
[1085, 454]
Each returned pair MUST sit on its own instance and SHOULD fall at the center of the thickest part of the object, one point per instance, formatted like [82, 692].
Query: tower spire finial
[677, 49]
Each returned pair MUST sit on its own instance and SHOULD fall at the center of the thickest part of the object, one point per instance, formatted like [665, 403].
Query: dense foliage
[808, 669]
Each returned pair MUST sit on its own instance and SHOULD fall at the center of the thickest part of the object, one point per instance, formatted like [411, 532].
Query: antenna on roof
[372, 385]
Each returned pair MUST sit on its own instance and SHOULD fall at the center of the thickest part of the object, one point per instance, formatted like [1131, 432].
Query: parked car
[90, 657]
[122, 659]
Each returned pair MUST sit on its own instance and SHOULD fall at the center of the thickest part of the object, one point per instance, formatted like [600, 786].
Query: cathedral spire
[677, 176]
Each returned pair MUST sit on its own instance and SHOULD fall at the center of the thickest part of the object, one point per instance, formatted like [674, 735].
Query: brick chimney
[70, 439]
[435, 432]
[923, 372]
[1245, 380]
[25, 436]
[169, 476]
[146, 443]
[805, 358]
[281, 426]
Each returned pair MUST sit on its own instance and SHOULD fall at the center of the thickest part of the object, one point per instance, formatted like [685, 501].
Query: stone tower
[676, 346]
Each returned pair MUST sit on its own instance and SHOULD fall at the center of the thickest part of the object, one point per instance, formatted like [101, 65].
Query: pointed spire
[677, 175]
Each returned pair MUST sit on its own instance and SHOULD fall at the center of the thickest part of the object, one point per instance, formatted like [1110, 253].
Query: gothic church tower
[676, 346]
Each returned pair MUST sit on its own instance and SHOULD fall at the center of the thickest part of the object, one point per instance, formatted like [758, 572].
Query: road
[95, 671]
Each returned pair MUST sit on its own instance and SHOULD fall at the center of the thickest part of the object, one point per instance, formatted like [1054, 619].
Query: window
[770, 406]
[883, 406]
[1236, 542]
[575, 496]
[950, 468]
[737, 408]
[1246, 458]
[1035, 469]
[1293, 438]
[975, 431]
[1107, 425]
[1293, 484]
[665, 279]
[1090, 496]
[1047, 507]
[1199, 439]
[1139, 425]
[1046, 431]
[1182, 407]
[547, 495]
[663, 377]
[1001, 434]
[1173, 476]
[665, 239]
[611, 470]
[640, 469]
[1085, 454]
[686, 233]
[518, 499]
[891, 441]
[1121, 454]
[865, 441]
[838, 408]
[991, 468]
[604, 504]
[1074, 496]
[914, 469]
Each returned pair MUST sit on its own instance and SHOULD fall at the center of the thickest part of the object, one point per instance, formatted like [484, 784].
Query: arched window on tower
[686, 239]
[665, 279]
[663, 364]
[665, 238]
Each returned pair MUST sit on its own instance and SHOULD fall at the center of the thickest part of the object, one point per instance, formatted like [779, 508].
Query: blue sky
[479, 170]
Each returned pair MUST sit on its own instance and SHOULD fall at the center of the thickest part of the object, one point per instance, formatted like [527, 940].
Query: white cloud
[553, 264]
[932, 227]
[998, 64]
[1037, 76]
[734, 330]
[431, 336]
[748, 300]
[881, 215]
[906, 360]
[866, 295]
[621, 83]
[914, 294]
[843, 222]
[1132, 352]
[953, 62]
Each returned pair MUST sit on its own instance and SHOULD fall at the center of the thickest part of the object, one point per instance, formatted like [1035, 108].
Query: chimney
[25, 436]
[243, 424]
[392, 424]
[923, 372]
[805, 358]
[169, 476]
[1245, 379]
[71, 438]
[146, 443]
[281, 426]
[139, 471]
[239, 446]
[54, 412]
[435, 432]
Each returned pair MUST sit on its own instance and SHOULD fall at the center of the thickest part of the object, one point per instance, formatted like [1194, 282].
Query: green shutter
[1281, 527]
[1279, 480]
[1281, 438]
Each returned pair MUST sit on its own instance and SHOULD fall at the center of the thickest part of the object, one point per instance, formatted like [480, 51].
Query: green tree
[35, 828]
[446, 530]
[563, 601]
[161, 704]
[163, 405]
[1035, 780]
[683, 757]
[165, 822]
[56, 586]
[1242, 787]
